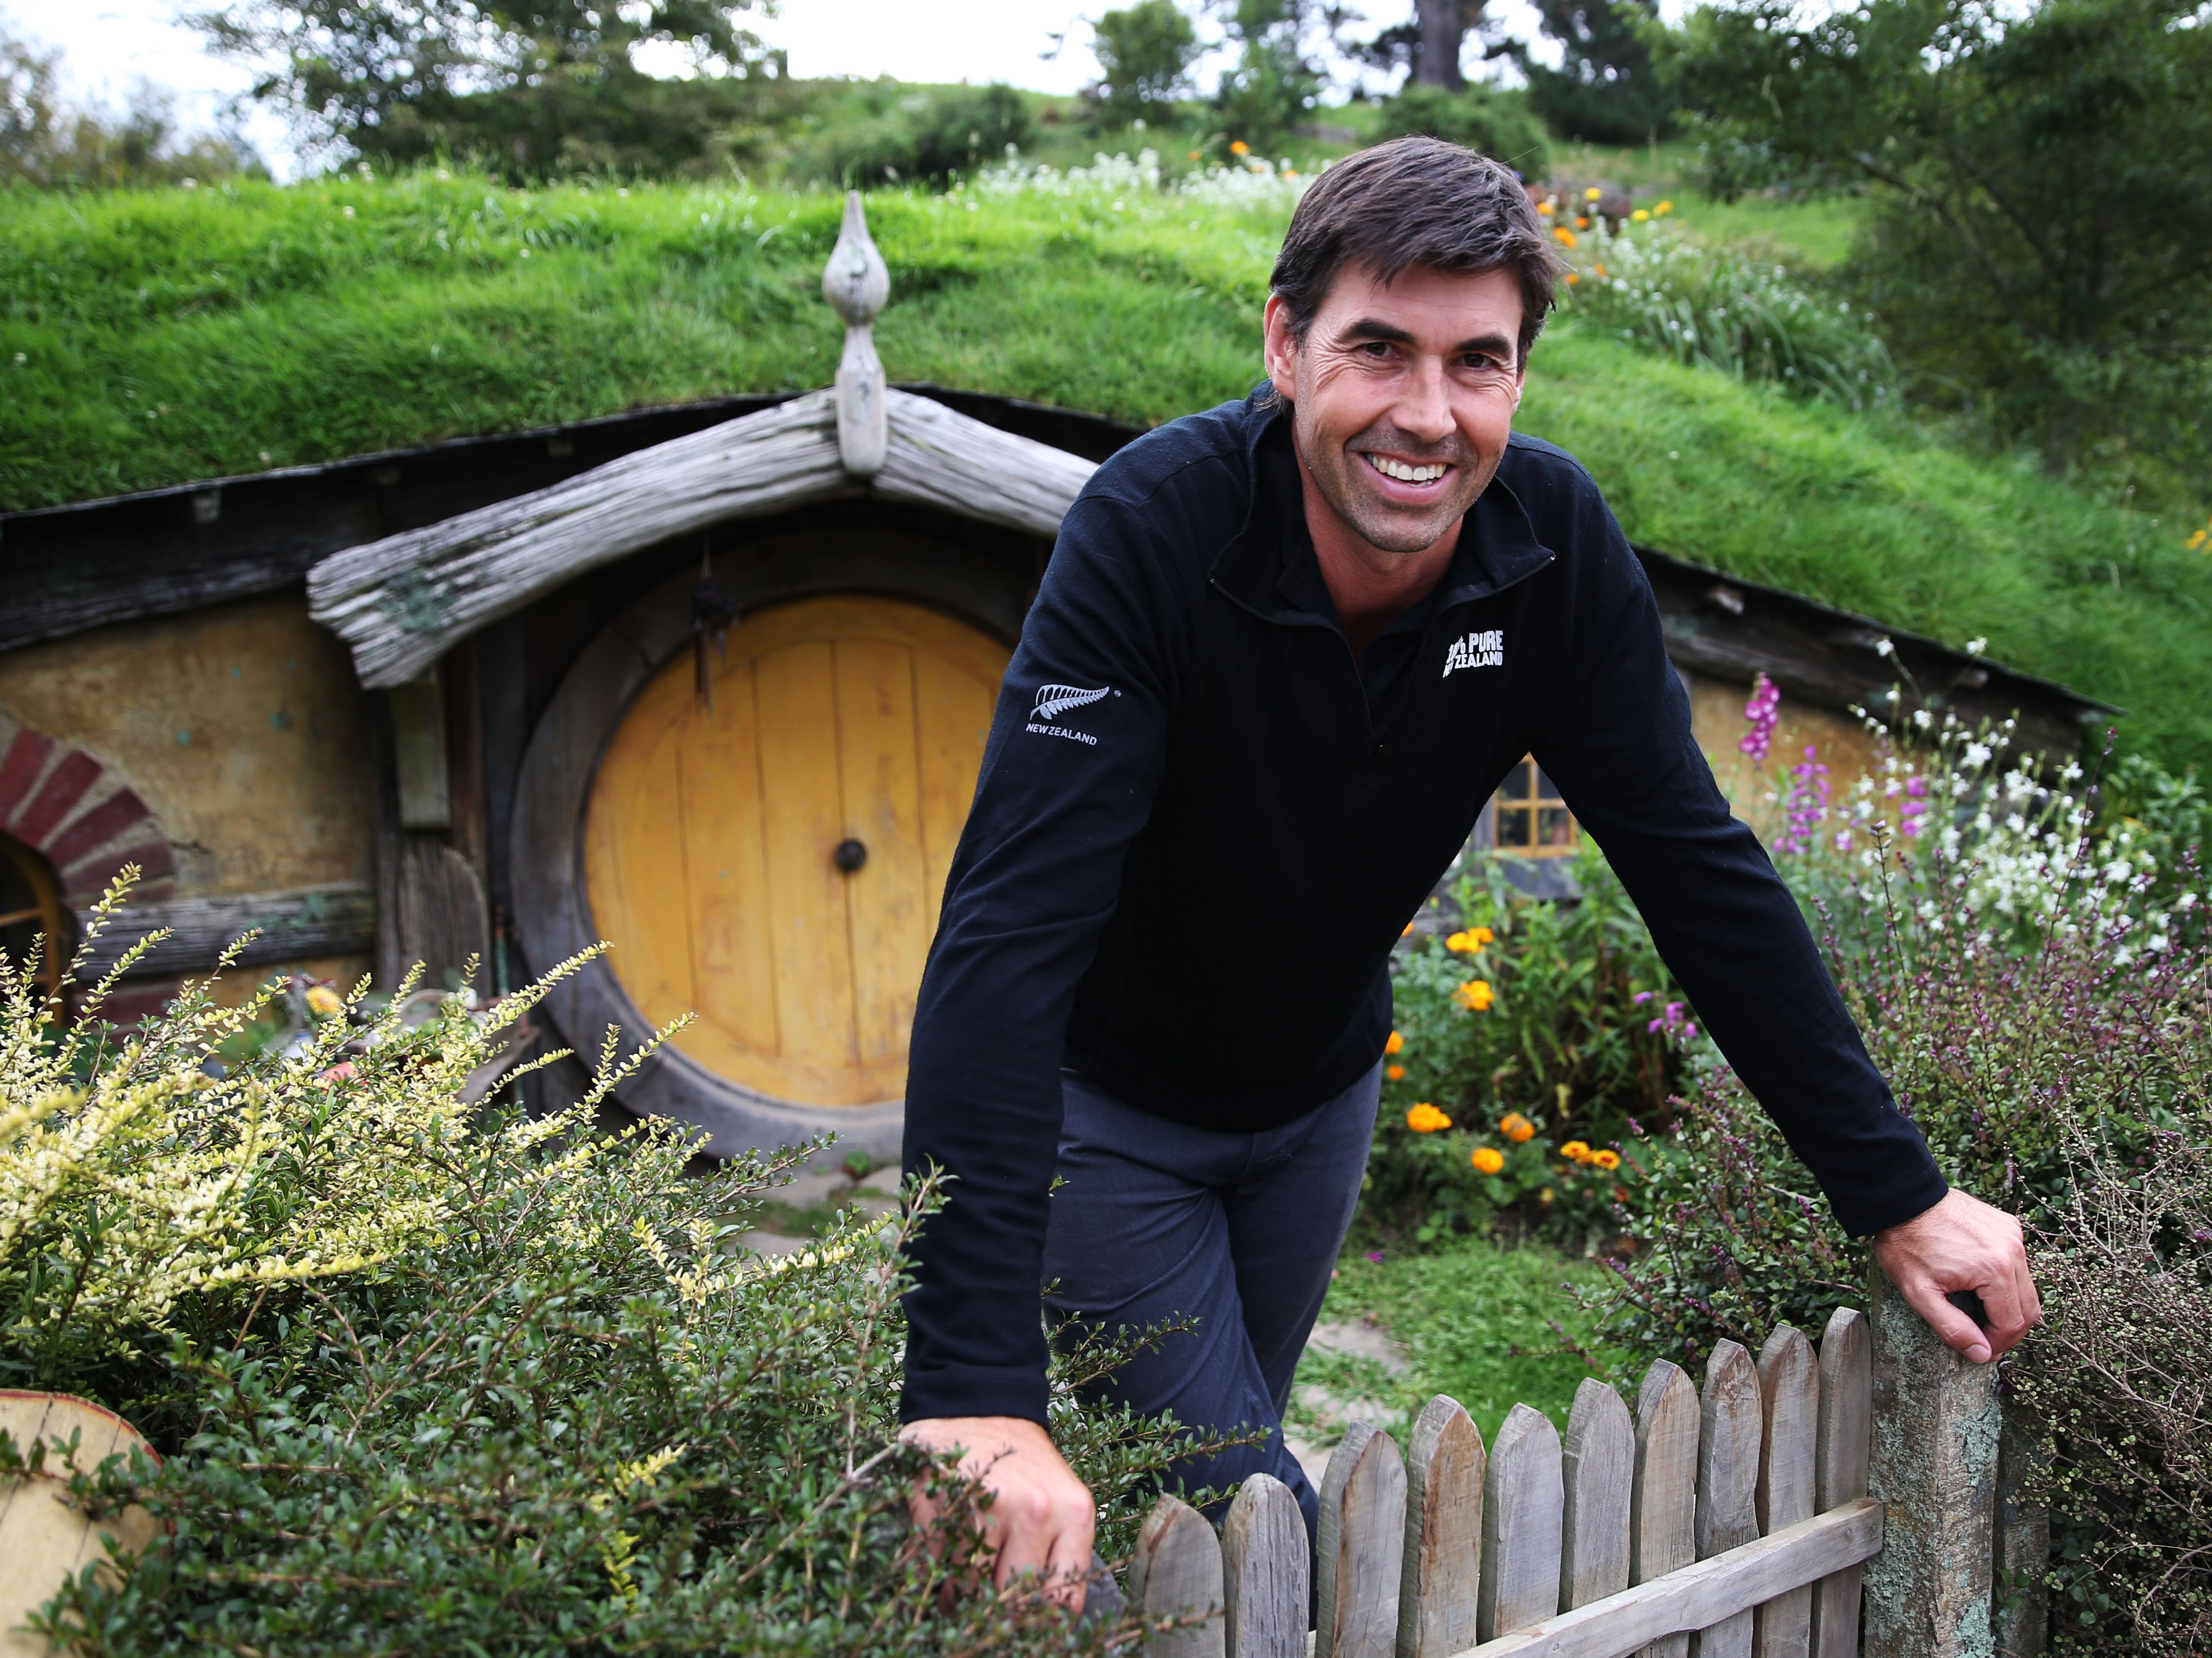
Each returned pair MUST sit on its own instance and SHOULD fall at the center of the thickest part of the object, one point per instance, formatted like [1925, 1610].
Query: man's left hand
[1963, 1244]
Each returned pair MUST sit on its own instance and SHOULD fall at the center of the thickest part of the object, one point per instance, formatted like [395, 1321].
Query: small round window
[31, 914]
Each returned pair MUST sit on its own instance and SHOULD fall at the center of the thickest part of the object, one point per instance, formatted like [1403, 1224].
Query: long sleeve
[1619, 743]
[1075, 756]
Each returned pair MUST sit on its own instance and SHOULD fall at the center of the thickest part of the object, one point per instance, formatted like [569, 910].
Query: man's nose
[1424, 410]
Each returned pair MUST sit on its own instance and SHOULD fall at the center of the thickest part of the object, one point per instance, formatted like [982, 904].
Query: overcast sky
[108, 45]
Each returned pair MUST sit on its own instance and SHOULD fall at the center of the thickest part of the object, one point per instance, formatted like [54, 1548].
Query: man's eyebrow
[1373, 328]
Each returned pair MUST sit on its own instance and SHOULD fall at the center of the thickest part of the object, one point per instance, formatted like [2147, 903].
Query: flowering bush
[1251, 181]
[2029, 975]
[1653, 286]
[1521, 1034]
[426, 1376]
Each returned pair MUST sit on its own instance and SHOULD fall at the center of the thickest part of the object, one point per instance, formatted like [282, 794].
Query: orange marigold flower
[1475, 995]
[1563, 235]
[1600, 273]
[1396, 1073]
[1407, 931]
[1395, 1045]
[1240, 148]
[1516, 1128]
[1581, 223]
[1488, 1159]
[1572, 279]
[1481, 935]
[1544, 208]
[1576, 1152]
[1607, 1160]
[1425, 1119]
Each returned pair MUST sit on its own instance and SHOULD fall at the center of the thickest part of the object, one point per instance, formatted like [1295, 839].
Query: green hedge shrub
[428, 1378]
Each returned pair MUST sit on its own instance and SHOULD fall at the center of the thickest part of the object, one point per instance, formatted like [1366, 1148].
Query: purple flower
[1761, 713]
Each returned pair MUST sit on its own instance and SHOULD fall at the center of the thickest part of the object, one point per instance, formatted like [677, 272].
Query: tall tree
[395, 78]
[1275, 79]
[2041, 234]
[1428, 45]
[1605, 90]
[1145, 52]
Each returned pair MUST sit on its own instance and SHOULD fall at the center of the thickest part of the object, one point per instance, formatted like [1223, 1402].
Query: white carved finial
[856, 285]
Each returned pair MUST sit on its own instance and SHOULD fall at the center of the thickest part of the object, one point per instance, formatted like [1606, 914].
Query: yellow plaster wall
[1717, 716]
[241, 725]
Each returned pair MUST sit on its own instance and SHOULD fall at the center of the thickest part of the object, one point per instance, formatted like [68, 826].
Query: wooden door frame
[552, 908]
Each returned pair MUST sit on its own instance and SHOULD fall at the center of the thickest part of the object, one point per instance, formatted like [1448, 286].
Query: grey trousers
[1154, 1221]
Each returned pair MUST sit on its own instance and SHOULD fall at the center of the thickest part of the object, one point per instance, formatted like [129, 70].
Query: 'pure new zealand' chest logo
[1482, 650]
[1054, 700]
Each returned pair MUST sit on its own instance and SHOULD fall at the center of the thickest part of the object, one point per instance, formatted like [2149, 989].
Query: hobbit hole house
[710, 682]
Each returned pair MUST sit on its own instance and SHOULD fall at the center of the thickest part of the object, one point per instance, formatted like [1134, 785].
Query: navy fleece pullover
[1201, 824]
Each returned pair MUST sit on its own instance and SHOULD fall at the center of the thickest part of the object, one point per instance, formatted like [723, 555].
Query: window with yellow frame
[31, 907]
[1528, 818]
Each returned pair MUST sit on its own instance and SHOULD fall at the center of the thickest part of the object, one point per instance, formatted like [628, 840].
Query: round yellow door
[773, 861]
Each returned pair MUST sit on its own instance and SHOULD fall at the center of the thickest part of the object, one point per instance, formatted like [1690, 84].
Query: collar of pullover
[1259, 566]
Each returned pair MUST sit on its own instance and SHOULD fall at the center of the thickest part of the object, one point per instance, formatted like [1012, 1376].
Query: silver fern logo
[1052, 701]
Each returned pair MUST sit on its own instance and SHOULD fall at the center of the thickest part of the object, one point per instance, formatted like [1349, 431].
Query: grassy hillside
[148, 338]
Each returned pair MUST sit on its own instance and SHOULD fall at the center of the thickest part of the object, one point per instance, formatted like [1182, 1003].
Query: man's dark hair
[1415, 201]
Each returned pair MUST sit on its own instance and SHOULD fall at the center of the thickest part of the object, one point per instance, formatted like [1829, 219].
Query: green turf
[171, 335]
[1492, 1326]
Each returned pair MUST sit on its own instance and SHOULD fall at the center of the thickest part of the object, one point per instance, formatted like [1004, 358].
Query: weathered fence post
[1443, 1574]
[1935, 1469]
[1839, 1472]
[1176, 1573]
[1266, 1571]
[2023, 1599]
[1727, 1481]
[1361, 1547]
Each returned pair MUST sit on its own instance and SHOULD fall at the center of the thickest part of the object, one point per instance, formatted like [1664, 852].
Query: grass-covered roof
[152, 337]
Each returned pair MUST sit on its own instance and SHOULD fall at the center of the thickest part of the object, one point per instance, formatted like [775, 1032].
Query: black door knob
[849, 855]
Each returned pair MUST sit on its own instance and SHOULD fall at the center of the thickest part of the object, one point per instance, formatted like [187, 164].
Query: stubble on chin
[1336, 473]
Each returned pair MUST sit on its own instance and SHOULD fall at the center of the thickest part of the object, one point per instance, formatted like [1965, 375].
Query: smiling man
[1284, 651]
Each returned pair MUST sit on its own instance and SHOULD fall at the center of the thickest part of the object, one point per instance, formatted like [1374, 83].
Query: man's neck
[1371, 588]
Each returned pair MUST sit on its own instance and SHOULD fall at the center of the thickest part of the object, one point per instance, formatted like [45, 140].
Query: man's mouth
[1405, 471]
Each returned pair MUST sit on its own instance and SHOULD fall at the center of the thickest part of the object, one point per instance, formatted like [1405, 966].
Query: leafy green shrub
[1497, 123]
[426, 1376]
[2023, 969]
[1528, 1043]
[925, 136]
[1729, 308]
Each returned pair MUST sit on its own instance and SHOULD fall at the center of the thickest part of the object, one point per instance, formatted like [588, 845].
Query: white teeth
[1403, 473]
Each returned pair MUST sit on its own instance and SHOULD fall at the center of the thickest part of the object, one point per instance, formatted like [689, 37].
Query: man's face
[1404, 397]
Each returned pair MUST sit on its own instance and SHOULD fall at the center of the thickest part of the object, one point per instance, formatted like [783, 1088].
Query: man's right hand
[1041, 1519]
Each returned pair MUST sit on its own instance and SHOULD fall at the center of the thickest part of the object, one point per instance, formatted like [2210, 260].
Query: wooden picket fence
[1733, 1522]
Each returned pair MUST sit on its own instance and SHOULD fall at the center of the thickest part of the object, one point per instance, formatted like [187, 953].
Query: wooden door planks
[1362, 1546]
[1440, 1591]
[1266, 1571]
[1789, 1400]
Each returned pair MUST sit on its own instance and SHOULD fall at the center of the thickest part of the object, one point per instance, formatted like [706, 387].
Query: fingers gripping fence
[1743, 1520]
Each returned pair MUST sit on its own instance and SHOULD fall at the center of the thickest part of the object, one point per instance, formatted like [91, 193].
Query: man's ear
[1279, 349]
